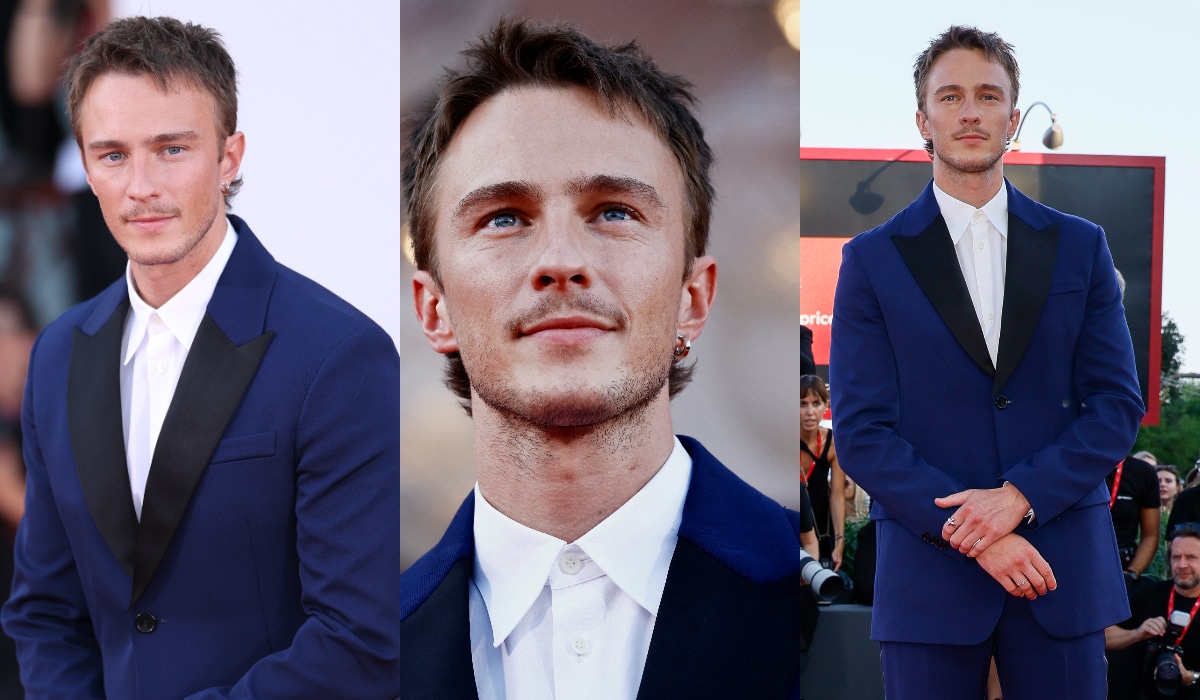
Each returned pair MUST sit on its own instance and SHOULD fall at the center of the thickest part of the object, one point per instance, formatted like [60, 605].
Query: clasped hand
[982, 518]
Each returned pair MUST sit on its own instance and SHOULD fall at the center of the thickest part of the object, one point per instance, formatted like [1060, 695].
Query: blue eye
[615, 215]
[111, 157]
[173, 150]
[503, 221]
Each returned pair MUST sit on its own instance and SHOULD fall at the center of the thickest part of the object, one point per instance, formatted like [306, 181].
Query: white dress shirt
[570, 621]
[153, 349]
[981, 242]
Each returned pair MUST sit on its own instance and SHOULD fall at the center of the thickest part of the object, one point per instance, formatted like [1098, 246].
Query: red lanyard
[1116, 482]
[813, 466]
[1171, 608]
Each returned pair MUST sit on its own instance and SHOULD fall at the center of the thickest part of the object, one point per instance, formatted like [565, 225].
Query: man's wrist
[1029, 514]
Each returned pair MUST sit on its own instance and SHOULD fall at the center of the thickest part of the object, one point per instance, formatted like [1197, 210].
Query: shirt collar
[958, 213]
[633, 546]
[182, 313]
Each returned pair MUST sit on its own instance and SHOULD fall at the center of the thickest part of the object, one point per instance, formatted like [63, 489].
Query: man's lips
[150, 223]
[567, 329]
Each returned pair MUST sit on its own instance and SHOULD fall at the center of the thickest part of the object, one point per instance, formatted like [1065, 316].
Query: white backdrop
[319, 104]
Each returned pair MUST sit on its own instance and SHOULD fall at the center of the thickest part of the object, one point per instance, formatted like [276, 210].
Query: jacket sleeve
[348, 535]
[1105, 386]
[47, 613]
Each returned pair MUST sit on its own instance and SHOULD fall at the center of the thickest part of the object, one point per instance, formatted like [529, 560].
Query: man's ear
[923, 125]
[697, 297]
[430, 307]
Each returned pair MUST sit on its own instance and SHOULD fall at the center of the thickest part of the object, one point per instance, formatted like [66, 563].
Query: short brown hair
[812, 384]
[169, 51]
[517, 54]
[996, 50]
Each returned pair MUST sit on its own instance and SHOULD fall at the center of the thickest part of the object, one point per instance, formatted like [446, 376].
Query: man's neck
[1193, 592]
[565, 481]
[976, 189]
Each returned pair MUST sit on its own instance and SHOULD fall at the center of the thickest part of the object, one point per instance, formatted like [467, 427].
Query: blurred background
[743, 403]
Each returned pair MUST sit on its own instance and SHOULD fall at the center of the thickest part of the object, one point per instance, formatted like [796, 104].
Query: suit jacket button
[1001, 402]
[145, 623]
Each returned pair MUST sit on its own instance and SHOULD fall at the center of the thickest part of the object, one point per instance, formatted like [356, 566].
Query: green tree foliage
[1172, 358]
[1176, 438]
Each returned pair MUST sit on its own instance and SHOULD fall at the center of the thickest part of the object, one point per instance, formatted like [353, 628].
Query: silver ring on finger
[1023, 582]
[950, 521]
[976, 543]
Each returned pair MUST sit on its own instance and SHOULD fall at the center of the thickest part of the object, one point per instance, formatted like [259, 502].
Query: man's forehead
[553, 136]
[112, 86]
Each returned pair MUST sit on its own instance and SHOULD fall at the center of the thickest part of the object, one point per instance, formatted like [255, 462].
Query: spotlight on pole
[1053, 137]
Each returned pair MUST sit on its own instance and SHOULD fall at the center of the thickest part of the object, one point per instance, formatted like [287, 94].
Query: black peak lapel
[931, 259]
[211, 386]
[436, 640]
[719, 634]
[1028, 272]
[97, 435]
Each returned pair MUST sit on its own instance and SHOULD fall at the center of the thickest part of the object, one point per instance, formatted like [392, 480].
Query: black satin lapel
[721, 635]
[1029, 270]
[930, 257]
[97, 436]
[435, 642]
[211, 385]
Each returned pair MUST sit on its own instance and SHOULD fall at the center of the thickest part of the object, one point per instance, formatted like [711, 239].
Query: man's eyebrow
[614, 184]
[187, 135]
[513, 189]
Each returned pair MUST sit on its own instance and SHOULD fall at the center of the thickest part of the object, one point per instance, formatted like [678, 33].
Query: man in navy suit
[983, 385]
[558, 198]
[212, 442]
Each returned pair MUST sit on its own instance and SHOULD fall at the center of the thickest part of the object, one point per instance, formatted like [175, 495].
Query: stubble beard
[982, 163]
[575, 408]
[189, 242]
[1186, 584]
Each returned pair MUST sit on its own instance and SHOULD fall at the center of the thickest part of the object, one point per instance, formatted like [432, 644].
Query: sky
[1117, 79]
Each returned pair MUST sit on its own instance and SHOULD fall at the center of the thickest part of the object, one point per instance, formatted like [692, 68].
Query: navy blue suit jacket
[265, 564]
[920, 412]
[728, 625]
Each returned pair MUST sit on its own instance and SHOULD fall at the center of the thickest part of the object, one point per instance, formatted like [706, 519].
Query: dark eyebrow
[513, 189]
[160, 138]
[614, 184]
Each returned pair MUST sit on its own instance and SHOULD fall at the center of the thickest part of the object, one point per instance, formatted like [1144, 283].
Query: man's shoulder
[735, 523]
[420, 580]
[1038, 215]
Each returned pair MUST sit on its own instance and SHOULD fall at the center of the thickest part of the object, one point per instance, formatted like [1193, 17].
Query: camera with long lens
[1162, 650]
[824, 582]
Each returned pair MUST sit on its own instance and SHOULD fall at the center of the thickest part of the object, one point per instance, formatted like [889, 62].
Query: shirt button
[991, 316]
[978, 215]
[570, 563]
[981, 245]
[580, 645]
[161, 367]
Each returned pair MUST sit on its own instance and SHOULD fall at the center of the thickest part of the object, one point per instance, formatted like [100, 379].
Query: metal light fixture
[1054, 135]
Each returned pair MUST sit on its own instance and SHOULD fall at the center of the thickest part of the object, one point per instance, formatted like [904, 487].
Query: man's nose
[561, 259]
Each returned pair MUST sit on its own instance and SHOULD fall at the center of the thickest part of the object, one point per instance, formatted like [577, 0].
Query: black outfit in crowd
[1138, 489]
[818, 493]
[1186, 509]
[1151, 601]
[808, 364]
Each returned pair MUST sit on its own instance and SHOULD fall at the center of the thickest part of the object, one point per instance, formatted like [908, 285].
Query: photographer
[1171, 651]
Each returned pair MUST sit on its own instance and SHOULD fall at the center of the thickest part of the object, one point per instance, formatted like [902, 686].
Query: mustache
[971, 130]
[151, 210]
[565, 306]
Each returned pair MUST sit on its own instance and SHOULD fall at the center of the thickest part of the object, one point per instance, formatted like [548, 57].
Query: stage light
[1053, 137]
